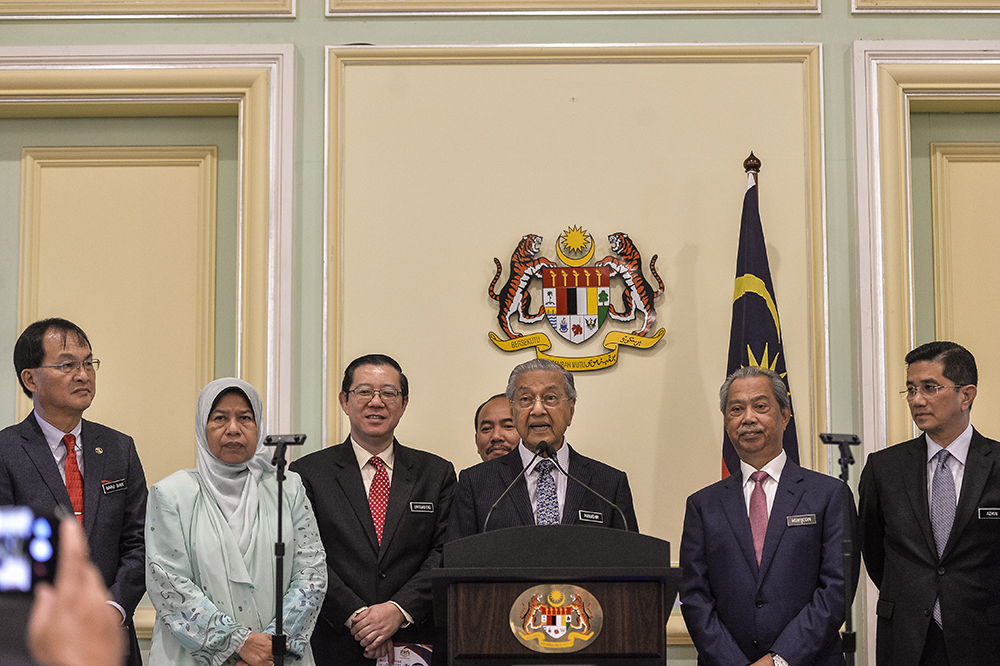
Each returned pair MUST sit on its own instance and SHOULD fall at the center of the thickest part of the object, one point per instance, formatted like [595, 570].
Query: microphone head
[543, 449]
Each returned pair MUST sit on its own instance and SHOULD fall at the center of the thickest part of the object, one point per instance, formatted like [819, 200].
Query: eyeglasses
[90, 365]
[528, 401]
[926, 391]
[365, 394]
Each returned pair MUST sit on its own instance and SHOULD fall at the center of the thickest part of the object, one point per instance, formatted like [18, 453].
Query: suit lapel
[348, 475]
[93, 474]
[580, 468]
[978, 465]
[914, 477]
[400, 490]
[512, 466]
[786, 498]
[37, 449]
[735, 509]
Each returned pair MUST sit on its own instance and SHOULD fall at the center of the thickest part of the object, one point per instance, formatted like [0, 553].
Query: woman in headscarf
[210, 534]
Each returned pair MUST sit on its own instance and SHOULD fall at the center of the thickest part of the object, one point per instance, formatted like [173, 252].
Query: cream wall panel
[252, 81]
[966, 201]
[891, 79]
[122, 242]
[441, 161]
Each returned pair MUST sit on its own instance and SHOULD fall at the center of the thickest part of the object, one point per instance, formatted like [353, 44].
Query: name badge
[989, 514]
[591, 516]
[804, 519]
[421, 507]
[113, 486]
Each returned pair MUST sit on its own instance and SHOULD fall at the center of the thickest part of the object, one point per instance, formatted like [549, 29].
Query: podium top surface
[562, 546]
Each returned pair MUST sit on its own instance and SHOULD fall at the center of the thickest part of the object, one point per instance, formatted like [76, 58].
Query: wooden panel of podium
[480, 592]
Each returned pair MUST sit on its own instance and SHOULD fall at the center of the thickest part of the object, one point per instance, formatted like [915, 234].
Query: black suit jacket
[361, 572]
[114, 523]
[898, 545]
[481, 485]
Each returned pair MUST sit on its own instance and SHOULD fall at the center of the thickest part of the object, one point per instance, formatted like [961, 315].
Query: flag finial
[751, 163]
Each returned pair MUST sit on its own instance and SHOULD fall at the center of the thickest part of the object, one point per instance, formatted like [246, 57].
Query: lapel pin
[98, 450]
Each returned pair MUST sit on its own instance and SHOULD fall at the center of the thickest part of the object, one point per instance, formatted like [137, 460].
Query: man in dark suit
[43, 458]
[542, 396]
[930, 523]
[761, 551]
[382, 510]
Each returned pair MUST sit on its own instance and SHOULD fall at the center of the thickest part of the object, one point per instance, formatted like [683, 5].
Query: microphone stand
[542, 446]
[550, 452]
[279, 641]
[844, 443]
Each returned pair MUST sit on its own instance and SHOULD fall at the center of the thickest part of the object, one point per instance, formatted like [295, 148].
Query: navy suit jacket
[361, 572]
[114, 523]
[901, 556]
[481, 485]
[793, 603]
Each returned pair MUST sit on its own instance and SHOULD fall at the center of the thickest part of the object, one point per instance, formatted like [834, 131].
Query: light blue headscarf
[234, 486]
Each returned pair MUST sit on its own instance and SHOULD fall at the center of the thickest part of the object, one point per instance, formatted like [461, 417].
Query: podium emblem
[556, 618]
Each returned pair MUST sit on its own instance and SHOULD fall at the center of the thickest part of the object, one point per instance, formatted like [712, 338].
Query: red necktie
[758, 512]
[74, 482]
[378, 495]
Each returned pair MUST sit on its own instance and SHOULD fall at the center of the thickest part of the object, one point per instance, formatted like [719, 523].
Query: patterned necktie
[74, 482]
[758, 512]
[942, 510]
[547, 504]
[378, 495]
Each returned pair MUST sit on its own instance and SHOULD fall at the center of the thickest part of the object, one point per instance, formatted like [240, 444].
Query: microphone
[542, 447]
[552, 456]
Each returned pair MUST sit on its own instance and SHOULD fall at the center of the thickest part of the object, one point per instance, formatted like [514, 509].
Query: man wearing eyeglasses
[56, 458]
[381, 509]
[542, 397]
[930, 523]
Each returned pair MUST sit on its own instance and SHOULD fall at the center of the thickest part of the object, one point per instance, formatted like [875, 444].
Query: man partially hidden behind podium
[761, 551]
[542, 396]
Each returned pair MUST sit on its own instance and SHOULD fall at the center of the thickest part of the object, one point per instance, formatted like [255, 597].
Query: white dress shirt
[53, 437]
[770, 484]
[959, 450]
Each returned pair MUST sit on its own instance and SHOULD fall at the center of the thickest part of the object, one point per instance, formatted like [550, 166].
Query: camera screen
[27, 548]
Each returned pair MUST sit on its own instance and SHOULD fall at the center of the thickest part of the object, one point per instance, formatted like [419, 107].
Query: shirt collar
[387, 456]
[773, 468]
[53, 435]
[958, 448]
[562, 456]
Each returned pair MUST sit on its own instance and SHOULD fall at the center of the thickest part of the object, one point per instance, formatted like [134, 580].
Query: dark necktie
[942, 510]
[545, 494]
[378, 495]
[758, 512]
[74, 482]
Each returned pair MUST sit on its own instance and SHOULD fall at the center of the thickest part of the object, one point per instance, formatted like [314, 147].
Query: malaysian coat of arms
[556, 618]
[577, 297]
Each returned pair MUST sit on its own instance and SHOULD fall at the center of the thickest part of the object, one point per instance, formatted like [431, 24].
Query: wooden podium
[483, 576]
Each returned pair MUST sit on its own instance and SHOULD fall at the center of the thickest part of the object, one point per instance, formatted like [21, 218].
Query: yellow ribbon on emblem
[612, 341]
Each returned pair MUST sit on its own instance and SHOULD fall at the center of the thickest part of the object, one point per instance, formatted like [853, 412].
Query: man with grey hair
[763, 575]
[542, 398]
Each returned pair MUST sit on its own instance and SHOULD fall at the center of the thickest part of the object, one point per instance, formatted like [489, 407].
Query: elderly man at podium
[544, 480]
